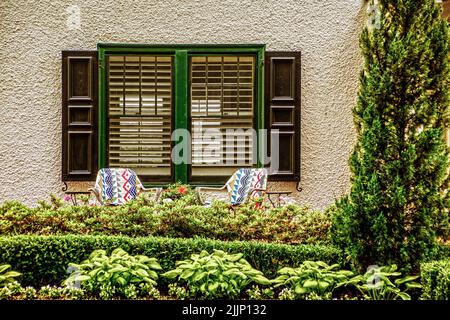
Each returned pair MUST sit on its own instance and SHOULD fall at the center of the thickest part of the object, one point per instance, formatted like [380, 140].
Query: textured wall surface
[33, 33]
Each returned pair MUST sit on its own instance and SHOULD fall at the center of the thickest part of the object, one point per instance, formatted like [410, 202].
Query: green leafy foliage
[435, 278]
[14, 291]
[178, 292]
[10, 290]
[44, 260]
[177, 191]
[400, 195]
[216, 275]
[65, 293]
[134, 219]
[179, 216]
[7, 276]
[258, 293]
[286, 294]
[288, 224]
[119, 274]
[378, 283]
[312, 279]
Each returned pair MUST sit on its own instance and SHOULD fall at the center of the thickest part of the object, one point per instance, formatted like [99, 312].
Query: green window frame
[180, 54]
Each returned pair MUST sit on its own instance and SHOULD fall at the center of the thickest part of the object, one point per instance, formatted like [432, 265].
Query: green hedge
[44, 259]
[436, 280]
[180, 218]
[442, 251]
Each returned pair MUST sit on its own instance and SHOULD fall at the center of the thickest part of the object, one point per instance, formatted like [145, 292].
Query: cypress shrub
[399, 199]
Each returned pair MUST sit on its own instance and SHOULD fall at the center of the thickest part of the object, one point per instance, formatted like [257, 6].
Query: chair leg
[97, 194]
[198, 196]
[158, 194]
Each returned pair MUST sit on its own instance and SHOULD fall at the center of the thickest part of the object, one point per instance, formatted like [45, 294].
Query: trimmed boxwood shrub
[44, 259]
[442, 251]
[436, 280]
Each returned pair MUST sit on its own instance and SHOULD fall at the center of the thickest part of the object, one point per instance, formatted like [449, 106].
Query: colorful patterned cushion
[242, 183]
[117, 186]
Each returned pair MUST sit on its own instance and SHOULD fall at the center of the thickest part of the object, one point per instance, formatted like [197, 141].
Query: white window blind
[140, 113]
[222, 112]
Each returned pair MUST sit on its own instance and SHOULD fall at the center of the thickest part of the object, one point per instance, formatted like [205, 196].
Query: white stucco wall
[33, 33]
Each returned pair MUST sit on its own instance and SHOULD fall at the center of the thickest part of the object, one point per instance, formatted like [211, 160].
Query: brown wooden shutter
[79, 115]
[282, 116]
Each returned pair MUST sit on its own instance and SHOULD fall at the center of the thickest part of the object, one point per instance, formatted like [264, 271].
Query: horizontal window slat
[140, 108]
[222, 97]
[142, 160]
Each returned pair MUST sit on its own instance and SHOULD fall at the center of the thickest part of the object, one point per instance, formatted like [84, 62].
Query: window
[126, 104]
[214, 93]
[139, 114]
[222, 114]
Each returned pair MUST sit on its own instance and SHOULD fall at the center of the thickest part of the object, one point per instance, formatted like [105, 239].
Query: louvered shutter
[222, 103]
[79, 115]
[282, 116]
[139, 113]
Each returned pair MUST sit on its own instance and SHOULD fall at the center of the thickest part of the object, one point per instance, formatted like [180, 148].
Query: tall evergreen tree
[399, 199]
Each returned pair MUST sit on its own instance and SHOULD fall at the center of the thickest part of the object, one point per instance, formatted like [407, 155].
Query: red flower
[182, 190]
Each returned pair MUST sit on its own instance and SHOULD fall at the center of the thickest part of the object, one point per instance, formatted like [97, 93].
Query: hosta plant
[216, 275]
[119, 274]
[314, 278]
[378, 284]
[7, 276]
